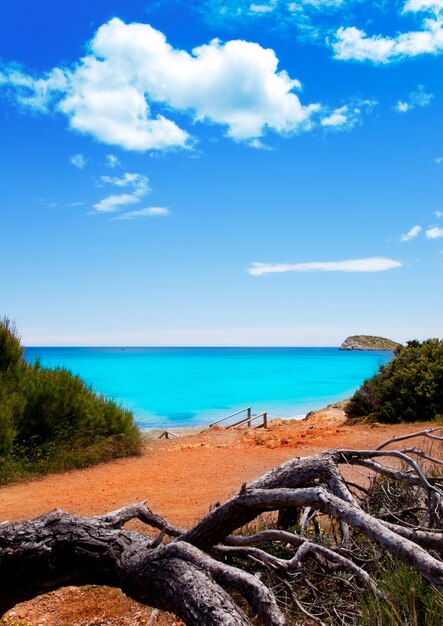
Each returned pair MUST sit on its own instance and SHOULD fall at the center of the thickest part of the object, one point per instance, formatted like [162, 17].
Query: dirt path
[179, 478]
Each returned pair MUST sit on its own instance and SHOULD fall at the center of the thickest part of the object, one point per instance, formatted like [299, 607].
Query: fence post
[249, 415]
[265, 420]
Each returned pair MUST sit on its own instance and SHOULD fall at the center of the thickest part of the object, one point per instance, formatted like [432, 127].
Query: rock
[332, 414]
[368, 342]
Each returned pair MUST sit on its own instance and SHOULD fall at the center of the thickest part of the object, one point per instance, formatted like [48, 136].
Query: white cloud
[284, 14]
[411, 234]
[415, 99]
[78, 160]
[109, 92]
[438, 160]
[374, 264]
[138, 185]
[259, 145]
[438, 214]
[138, 181]
[112, 161]
[402, 106]
[153, 211]
[347, 116]
[354, 44]
[434, 233]
[322, 4]
[416, 6]
[336, 118]
[37, 94]
[263, 8]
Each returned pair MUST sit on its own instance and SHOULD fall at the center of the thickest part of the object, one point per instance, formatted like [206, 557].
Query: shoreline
[324, 413]
[189, 388]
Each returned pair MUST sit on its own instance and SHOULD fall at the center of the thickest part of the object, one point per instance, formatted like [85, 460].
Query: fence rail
[245, 421]
[248, 409]
[250, 419]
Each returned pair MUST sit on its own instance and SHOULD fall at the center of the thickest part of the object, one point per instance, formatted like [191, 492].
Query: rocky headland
[368, 342]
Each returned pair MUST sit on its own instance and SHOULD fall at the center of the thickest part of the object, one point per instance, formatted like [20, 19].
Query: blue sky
[221, 173]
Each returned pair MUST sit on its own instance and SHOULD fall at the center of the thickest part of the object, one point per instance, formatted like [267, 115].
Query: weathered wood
[60, 549]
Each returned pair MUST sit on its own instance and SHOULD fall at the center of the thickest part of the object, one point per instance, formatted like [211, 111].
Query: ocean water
[167, 387]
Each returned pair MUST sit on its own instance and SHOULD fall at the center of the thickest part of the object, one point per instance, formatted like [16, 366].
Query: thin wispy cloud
[416, 99]
[153, 211]
[34, 93]
[434, 233]
[78, 161]
[263, 8]
[304, 19]
[438, 214]
[411, 234]
[353, 44]
[138, 188]
[372, 264]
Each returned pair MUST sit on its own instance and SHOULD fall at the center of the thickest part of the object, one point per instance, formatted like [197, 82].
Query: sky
[216, 173]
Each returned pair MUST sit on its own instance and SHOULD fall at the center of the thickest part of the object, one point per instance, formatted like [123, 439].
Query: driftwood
[196, 574]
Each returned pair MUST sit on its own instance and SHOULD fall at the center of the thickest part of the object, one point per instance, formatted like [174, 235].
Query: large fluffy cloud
[131, 68]
[353, 44]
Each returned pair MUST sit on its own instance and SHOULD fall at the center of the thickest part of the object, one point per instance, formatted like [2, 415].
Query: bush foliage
[408, 389]
[51, 421]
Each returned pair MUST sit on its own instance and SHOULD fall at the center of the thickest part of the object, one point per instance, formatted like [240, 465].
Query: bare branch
[221, 522]
[420, 433]
[117, 519]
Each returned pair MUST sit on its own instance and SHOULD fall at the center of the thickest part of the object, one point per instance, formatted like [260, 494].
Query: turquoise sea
[167, 387]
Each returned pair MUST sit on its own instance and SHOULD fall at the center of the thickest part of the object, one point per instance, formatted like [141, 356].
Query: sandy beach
[179, 478]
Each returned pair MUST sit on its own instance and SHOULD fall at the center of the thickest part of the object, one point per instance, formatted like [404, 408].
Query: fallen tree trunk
[187, 572]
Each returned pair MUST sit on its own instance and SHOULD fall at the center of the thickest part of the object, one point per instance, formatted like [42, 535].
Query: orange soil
[179, 479]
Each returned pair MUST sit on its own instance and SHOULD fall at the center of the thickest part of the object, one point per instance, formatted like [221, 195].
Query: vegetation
[368, 342]
[408, 389]
[51, 421]
[407, 599]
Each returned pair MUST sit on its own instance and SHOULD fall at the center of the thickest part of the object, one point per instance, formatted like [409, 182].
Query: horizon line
[228, 347]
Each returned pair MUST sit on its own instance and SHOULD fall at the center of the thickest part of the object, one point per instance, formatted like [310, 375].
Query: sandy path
[178, 479]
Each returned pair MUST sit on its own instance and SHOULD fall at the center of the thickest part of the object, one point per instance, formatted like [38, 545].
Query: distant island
[368, 342]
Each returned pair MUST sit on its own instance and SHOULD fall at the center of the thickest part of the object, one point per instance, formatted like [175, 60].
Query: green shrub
[408, 389]
[11, 350]
[51, 421]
